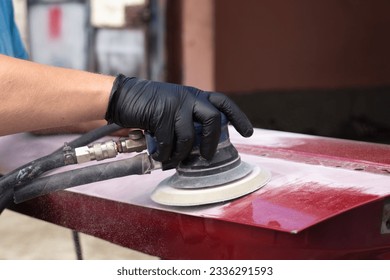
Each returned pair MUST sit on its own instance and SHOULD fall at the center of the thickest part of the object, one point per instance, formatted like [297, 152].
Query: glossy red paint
[317, 205]
[172, 235]
[289, 208]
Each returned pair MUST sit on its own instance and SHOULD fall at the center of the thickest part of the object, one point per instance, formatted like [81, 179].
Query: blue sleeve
[10, 42]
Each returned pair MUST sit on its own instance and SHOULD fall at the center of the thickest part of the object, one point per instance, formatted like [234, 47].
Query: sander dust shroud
[196, 181]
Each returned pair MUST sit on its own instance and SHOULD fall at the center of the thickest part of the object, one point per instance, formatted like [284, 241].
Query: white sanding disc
[169, 195]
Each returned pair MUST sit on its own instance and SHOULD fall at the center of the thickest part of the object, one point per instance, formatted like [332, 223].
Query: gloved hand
[168, 111]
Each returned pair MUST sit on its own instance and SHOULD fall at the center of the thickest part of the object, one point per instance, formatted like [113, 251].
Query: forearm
[35, 96]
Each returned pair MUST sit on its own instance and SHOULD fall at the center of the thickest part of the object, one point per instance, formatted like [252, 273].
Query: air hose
[28, 172]
[139, 164]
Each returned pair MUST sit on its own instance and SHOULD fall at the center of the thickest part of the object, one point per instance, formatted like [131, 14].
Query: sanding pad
[166, 194]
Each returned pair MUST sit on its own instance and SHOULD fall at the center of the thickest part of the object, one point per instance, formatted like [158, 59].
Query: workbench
[327, 199]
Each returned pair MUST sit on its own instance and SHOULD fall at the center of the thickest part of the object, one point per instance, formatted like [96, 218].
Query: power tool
[196, 181]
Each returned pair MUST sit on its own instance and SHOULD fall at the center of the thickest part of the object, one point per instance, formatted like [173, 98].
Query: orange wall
[279, 44]
[198, 51]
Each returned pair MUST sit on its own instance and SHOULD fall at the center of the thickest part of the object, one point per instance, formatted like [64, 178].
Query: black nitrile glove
[168, 111]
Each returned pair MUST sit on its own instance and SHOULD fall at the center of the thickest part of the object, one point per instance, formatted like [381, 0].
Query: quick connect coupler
[110, 149]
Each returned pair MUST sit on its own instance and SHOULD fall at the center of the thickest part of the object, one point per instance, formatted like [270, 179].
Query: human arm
[35, 96]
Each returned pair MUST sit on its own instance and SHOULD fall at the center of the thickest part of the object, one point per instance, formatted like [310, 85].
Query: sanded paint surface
[323, 192]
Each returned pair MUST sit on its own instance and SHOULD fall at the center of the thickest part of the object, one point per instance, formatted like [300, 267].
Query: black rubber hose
[6, 199]
[34, 169]
[25, 174]
[139, 164]
[93, 135]
[37, 167]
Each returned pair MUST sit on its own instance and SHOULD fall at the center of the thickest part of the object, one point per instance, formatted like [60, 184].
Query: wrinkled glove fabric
[168, 111]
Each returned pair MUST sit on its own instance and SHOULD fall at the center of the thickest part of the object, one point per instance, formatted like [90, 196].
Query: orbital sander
[198, 181]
